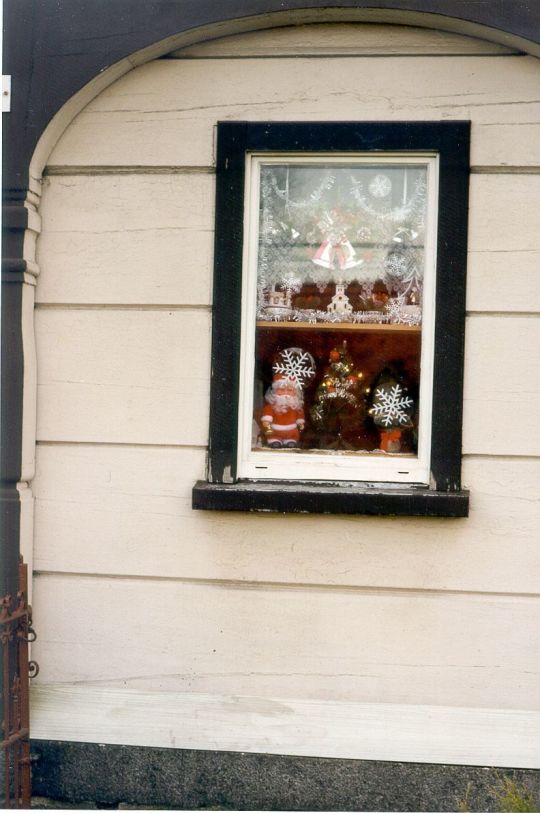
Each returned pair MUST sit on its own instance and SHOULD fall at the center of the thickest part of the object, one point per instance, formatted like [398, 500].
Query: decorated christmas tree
[339, 406]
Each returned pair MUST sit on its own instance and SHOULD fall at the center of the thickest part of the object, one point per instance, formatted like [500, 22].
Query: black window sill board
[320, 498]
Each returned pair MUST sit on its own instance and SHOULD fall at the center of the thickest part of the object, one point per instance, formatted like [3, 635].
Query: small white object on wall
[6, 93]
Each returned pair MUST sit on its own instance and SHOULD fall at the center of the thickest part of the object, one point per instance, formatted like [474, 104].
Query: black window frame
[444, 497]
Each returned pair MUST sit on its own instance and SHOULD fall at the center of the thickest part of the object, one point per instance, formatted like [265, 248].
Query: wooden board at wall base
[433, 734]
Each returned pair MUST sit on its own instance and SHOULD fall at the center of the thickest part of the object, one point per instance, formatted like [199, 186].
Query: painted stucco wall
[290, 634]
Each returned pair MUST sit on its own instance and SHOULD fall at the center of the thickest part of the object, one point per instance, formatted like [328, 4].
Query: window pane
[340, 269]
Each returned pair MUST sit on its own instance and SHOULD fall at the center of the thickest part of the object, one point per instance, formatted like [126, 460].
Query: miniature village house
[340, 301]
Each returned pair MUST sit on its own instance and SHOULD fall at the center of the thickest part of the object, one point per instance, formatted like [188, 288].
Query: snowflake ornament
[295, 364]
[380, 186]
[394, 310]
[291, 284]
[395, 264]
[363, 233]
[390, 406]
[399, 313]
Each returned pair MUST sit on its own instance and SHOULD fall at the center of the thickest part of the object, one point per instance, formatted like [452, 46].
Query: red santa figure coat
[282, 417]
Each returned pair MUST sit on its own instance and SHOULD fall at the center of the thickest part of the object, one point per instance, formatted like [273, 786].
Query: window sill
[319, 498]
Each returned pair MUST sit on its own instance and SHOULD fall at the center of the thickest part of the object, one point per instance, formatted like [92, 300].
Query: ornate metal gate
[15, 634]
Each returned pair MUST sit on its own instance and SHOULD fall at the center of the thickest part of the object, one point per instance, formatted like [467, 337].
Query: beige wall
[141, 599]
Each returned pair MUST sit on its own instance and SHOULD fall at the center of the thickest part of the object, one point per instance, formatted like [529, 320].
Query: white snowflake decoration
[290, 283]
[380, 186]
[295, 364]
[398, 313]
[396, 264]
[390, 405]
[394, 310]
[383, 211]
[363, 233]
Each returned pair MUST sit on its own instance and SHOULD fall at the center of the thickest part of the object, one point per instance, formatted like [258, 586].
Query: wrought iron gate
[15, 634]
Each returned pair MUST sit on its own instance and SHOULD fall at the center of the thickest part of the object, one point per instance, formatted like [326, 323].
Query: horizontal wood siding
[173, 105]
[148, 240]
[141, 600]
[280, 641]
[127, 510]
[142, 376]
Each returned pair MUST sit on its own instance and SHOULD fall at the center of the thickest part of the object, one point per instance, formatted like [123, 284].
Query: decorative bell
[346, 256]
[325, 255]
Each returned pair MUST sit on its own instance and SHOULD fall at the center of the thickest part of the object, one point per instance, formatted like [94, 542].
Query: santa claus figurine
[282, 418]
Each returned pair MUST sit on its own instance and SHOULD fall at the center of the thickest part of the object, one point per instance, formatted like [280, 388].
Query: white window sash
[334, 466]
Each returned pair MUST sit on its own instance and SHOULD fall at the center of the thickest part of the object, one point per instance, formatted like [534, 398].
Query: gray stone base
[127, 777]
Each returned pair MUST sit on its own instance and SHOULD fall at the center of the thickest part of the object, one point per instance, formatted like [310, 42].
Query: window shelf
[340, 326]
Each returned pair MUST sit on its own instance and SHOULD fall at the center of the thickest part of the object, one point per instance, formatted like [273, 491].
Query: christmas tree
[339, 406]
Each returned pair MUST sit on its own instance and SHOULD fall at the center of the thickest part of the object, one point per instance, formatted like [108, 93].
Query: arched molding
[241, 25]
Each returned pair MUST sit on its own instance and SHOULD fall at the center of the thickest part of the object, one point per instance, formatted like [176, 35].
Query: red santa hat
[282, 381]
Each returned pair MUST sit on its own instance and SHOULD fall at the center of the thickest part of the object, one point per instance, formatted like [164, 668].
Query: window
[338, 318]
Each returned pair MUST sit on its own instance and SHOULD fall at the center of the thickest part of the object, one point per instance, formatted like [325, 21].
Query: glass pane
[340, 270]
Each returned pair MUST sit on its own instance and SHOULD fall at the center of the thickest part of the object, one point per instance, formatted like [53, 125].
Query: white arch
[62, 119]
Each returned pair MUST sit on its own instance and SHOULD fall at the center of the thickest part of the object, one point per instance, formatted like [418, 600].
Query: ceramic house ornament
[340, 301]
